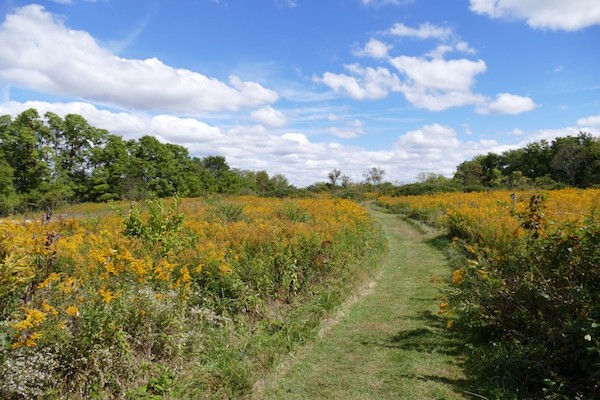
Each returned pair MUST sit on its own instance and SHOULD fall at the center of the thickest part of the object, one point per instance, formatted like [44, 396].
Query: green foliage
[8, 195]
[162, 228]
[227, 211]
[534, 306]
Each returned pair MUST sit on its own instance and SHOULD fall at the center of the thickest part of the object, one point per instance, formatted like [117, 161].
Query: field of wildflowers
[526, 286]
[135, 301]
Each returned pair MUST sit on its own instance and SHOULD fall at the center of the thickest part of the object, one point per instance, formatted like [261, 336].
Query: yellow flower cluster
[74, 263]
[486, 216]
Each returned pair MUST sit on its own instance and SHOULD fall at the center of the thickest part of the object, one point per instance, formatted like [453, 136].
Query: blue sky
[300, 87]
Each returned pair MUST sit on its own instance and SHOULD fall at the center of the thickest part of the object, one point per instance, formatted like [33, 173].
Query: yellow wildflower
[32, 318]
[47, 308]
[53, 277]
[225, 269]
[27, 339]
[107, 295]
[73, 311]
[67, 285]
[458, 275]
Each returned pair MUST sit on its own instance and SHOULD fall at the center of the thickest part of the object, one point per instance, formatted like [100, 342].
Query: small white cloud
[593, 120]
[296, 137]
[441, 50]
[269, 116]
[362, 83]
[373, 48]
[507, 103]
[429, 136]
[569, 15]
[424, 31]
[464, 47]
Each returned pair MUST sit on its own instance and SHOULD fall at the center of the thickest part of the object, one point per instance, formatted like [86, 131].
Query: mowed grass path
[390, 343]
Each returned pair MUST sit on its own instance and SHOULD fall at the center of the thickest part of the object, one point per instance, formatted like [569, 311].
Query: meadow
[526, 286]
[190, 298]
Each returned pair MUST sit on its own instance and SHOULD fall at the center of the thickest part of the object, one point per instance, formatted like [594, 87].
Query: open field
[188, 300]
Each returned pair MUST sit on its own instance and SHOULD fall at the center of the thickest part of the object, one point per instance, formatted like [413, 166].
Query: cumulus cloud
[40, 53]
[591, 121]
[569, 15]
[373, 48]
[429, 136]
[424, 31]
[433, 84]
[362, 83]
[438, 84]
[439, 74]
[507, 103]
[429, 81]
[269, 116]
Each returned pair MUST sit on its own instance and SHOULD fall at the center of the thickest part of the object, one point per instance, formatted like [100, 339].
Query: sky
[302, 87]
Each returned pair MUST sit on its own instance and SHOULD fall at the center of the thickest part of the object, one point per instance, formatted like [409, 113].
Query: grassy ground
[388, 342]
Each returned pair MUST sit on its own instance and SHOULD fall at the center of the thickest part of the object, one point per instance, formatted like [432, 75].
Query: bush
[533, 306]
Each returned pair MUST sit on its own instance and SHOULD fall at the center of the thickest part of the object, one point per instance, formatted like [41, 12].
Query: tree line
[49, 160]
[565, 161]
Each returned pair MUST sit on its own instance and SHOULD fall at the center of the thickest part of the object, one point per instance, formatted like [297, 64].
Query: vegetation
[526, 287]
[390, 343]
[193, 300]
[45, 162]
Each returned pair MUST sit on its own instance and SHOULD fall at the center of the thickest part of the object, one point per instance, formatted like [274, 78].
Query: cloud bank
[40, 53]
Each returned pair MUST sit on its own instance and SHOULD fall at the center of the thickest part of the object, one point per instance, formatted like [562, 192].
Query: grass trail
[387, 344]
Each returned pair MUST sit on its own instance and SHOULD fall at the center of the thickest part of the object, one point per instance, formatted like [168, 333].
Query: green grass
[391, 343]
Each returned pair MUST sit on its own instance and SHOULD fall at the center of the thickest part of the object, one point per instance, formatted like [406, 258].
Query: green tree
[110, 170]
[570, 158]
[8, 194]
[469, 173]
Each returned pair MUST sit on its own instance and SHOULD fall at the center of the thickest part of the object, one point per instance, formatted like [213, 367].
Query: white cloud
[429, 136]
[434, 84]
[373, 48]
[593, 120]
[566, 15]
[424, 31]
[352, 130]
[362, 83]
[507, 103]
[437, 84]
[439, 74]
[40, 53]
[269, 116]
